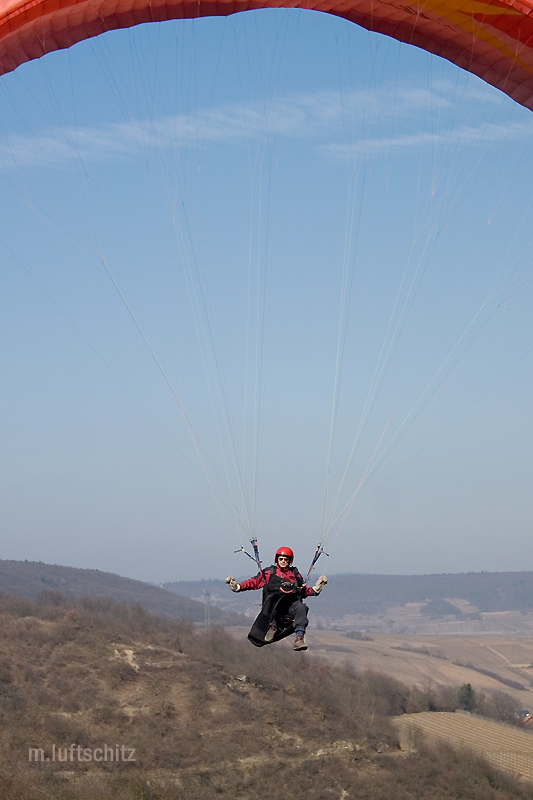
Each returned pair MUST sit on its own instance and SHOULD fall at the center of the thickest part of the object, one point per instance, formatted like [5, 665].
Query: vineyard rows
[503, 746]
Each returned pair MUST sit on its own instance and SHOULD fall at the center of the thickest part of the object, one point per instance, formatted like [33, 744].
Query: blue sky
[216, 231]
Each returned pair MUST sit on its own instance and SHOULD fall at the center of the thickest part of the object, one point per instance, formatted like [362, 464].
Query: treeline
[205, 715]
[368, 594]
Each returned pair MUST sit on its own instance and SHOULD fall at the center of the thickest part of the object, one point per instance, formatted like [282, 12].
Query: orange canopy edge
[493, 40]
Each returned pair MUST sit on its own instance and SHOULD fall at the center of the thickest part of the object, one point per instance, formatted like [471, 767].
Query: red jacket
[262, 578]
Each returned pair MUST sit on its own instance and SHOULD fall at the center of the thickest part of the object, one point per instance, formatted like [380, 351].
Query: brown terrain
[488, 663]
[205, 715]
[362, 714]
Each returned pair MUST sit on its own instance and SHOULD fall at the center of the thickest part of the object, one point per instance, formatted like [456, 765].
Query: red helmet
[284, 551]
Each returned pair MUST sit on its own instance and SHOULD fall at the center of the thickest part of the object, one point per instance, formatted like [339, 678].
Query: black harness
[278, 594]
[286, 587]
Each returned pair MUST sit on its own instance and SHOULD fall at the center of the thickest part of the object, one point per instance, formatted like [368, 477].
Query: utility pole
[207, 614]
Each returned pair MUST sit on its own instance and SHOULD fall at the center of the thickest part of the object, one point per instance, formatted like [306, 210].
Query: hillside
[497, 603]
[100, 700]
[470, 603]
[30, 579]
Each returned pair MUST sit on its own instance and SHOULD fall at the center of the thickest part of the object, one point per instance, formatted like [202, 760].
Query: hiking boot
[271, 632]
[299, 642]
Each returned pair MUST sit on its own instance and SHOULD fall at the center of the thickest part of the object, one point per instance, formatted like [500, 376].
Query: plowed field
[438, 660]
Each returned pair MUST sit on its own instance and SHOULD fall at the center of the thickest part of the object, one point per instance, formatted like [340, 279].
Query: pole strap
[255, 557]
[318, 552]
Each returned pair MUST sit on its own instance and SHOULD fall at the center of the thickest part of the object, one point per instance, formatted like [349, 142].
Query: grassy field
[502, 746]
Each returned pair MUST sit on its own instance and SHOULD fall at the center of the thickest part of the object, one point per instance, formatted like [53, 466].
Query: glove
[233, 585]
[319, 585]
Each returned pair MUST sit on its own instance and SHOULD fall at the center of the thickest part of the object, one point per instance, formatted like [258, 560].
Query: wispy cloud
[462, 135]
[393, 118]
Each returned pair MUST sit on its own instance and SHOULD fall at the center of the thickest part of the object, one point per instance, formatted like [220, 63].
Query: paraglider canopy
[306, 287]
[493, 39]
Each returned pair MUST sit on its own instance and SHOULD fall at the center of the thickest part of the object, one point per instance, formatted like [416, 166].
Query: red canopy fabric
[493, 39]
